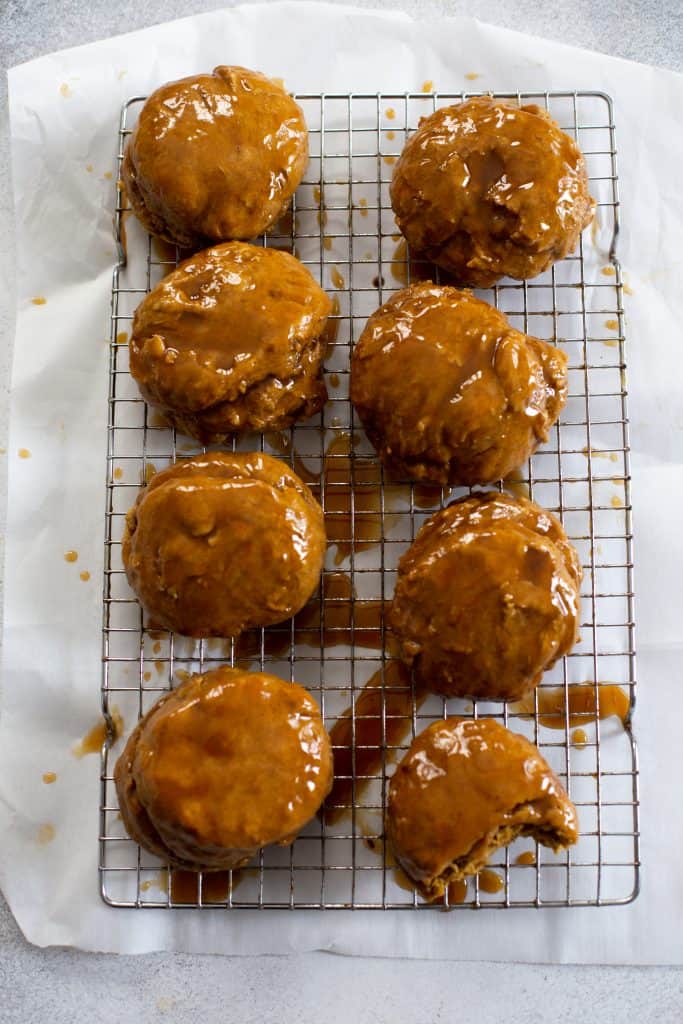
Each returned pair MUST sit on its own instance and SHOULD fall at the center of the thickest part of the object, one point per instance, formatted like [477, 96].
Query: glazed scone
[228, 762]
[449, 392]
[232, 341]
[486, 189]
[486, 598]
[465, 788]
[220, 543]
[215, 157]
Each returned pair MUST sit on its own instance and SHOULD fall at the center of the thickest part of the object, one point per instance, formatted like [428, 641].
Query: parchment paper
[64, 111]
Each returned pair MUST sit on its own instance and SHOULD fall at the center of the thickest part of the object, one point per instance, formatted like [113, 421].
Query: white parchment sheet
[64, 114]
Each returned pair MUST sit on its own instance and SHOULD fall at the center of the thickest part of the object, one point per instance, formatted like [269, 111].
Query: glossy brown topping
[487, 598]
[487, 189]
[465, 788]
[219, 543]
[447, 391]
[215, 157]
[231, 342]
[228, 762]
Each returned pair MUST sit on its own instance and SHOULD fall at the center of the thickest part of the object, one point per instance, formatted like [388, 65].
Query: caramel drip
[528, 857]
[582, 704]
[489, 881]
[93, 740]
[360, 756]
[352, 498]
[215, 886]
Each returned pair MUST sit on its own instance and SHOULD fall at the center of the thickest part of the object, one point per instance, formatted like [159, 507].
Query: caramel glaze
[225, 764]
[360, 737]
[215, 157]
[222, 542]
[486, 598]
[584, 703]
[232, 341]
[465, 788]
[486, 189]
[448, 392]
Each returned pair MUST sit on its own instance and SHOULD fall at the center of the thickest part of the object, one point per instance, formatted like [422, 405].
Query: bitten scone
[448, 391]
[465, 788]
[220, 543]
[487, 189]
[215, 157]
[487, 598]
[228, 762]
[232, 341]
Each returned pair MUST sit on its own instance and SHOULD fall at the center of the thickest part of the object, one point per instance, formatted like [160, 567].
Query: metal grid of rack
[342, 228]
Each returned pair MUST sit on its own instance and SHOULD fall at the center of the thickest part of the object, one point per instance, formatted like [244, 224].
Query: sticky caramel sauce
[579, 738]
[334, 380]
[370, 745]
[93, 740]
[428, 86]
[471, 76]
[528, 858]
[390, 113]
[49, 778]
[85, 575]
[122, 337]
[118, 473]
[39, 300]
[388, 159]
[337, 278]
[70, 556]
[352, 498]
[582, 704]
[490, 882]
[24, 453]
[332, 327]
[215, 886]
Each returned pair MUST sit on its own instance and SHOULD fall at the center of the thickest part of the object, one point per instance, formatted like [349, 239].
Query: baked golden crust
[215, 157]
[232, 341]
[228, 762]
[485, 189]
[222, 542]
[465, 788]
[448, 391]
[486, 598]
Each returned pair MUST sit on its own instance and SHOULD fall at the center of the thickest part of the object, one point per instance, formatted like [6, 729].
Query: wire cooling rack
[342, 228]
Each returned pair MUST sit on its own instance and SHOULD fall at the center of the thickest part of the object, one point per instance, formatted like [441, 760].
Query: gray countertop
[67, 986]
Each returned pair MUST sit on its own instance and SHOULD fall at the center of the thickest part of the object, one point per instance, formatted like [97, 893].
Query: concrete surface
[66, 986]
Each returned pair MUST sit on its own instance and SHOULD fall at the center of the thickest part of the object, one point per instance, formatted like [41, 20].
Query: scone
[465, 788]
[486, 598]
[448, 391]
[220, 543]
[215, 157]
[232, 341]
[486, 189]
[228, 762]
